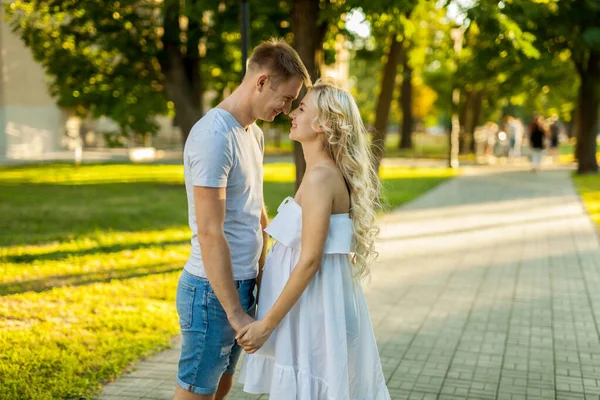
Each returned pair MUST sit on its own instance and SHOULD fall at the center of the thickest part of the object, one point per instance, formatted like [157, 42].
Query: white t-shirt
[220, 153]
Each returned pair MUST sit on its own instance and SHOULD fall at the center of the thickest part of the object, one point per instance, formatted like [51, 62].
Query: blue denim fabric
[208, 348]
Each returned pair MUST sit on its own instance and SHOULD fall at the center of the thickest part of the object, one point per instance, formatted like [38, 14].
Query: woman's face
[302, 118]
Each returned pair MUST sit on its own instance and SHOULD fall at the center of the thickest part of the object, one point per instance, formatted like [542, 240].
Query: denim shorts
[208, 348]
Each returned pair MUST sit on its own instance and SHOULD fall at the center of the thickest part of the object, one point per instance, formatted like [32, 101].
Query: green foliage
[504, 57]
[417, 24]
[104, 58]
[366, 77]
[591, 36]
[100, 56]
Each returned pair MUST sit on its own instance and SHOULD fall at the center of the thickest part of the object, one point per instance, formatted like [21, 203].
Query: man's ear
[261, 82]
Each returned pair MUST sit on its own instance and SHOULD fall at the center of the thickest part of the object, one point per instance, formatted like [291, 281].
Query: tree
[406, 101]
[562, 30]
[127, 59]
[574, 26]
[99, 79]
[389, 21]
[386, 91]
[309, 28]
[423, 26]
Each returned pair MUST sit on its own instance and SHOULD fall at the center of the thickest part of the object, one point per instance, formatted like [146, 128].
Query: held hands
[253, 336]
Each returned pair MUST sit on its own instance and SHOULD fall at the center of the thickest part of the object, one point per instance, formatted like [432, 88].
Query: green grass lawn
[589, 189]
[89, 261]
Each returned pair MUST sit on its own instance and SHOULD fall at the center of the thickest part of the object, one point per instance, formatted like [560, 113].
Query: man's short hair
[280, 59]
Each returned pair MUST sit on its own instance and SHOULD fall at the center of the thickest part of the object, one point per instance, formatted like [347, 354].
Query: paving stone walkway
[487, 287]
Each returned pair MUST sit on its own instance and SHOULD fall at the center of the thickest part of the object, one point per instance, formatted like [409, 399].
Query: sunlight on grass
[163, 174]
[280, 172]
[63, 343]
[21, 274]
[392, 172]
[285, 147]
[589, 189]
[100, 241]
[570, 158]
[66, 174]
[89, 261]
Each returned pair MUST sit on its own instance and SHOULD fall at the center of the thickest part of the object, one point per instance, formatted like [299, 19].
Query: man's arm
[210, 217]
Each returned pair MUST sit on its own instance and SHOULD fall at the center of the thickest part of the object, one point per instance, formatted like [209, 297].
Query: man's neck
[239, 106]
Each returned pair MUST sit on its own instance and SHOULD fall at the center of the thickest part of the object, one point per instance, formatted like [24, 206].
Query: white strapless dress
[324, 348]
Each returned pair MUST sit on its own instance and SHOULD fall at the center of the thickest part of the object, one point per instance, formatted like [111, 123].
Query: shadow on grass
[86, 278]
[116, 248]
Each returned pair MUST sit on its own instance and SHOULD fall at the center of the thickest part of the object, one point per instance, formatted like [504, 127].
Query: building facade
[31, 124]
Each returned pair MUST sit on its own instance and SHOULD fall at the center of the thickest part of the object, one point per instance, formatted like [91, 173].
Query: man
[224, 184]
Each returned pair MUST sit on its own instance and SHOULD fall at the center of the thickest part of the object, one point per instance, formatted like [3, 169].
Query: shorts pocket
[185, 304]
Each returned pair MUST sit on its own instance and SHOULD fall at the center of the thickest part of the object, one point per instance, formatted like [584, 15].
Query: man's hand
[239, 320]
[252, 337]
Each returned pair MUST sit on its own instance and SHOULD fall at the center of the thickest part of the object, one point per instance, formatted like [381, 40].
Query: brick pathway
[487, 287]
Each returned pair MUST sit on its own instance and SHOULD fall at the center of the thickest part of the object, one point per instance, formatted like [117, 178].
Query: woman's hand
[253, 336]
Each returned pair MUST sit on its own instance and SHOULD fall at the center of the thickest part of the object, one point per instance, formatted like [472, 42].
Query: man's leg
[225, 385]
[201, 363]
[182, 394]
[246, 292]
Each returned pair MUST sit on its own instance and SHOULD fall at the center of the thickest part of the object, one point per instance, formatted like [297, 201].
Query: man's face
[274, 99]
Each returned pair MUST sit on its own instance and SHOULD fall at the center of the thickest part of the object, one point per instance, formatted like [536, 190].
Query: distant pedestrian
[515, 127]
[537, 136]
[555, 131]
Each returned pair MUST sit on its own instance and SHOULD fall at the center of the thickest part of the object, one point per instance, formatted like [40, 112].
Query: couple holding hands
[309, 335]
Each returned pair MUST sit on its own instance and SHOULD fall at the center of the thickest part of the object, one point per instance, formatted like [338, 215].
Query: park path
[487, 287]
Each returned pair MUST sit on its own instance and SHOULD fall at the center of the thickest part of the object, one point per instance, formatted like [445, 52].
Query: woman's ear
[320, 128]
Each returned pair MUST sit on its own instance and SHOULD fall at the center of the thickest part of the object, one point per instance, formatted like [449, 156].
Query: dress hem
[266, 368]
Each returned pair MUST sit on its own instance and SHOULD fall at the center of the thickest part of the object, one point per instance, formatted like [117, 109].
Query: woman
[313, 338]
[537, 135]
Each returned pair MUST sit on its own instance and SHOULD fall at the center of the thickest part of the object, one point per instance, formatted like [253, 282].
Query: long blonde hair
[345, 138]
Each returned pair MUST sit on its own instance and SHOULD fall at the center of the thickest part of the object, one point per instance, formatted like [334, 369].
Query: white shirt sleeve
[210, 158]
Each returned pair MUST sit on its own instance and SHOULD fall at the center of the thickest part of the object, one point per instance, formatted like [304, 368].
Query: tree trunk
[385, 99]
[308, 40]
[572, 126]
[454, 134]
[182, 72]
[406, 101]
[464, 119]
[476, 117]
[192, 63]
[589, 101]
[577, 127]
